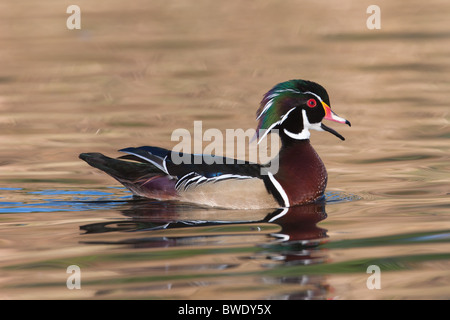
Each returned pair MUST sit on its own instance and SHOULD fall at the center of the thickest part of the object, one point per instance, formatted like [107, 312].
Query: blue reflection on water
[62, 200]
[53, 200]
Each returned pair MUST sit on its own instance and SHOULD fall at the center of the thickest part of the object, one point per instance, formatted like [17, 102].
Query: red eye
[311, 103]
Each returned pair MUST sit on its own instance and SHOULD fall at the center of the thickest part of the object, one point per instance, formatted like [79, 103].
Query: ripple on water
[53, 200]
[338, 197]
[22, 201]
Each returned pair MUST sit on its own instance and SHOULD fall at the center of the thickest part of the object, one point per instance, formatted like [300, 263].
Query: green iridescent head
[295, 106]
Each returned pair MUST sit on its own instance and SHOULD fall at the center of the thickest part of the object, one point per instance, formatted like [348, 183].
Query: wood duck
[291, 109]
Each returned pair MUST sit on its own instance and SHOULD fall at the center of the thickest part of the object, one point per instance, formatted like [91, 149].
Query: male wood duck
[291, 109]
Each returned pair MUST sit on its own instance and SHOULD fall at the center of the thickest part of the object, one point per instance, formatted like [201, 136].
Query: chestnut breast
[301, 173]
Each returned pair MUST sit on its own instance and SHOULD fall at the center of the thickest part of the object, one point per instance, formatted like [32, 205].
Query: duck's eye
[311, 103]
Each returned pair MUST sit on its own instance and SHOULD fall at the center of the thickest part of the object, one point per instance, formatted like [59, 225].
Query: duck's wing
[157, 173]
[191, 170]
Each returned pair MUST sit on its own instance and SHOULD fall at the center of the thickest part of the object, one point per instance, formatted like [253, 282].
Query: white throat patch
[304, 134]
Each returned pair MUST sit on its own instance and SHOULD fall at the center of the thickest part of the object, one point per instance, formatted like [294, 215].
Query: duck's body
[292, 108]
[243, 189]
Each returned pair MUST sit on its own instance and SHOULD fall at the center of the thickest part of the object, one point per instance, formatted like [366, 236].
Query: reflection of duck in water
[298, 223]
[292, 108]
[288, 238]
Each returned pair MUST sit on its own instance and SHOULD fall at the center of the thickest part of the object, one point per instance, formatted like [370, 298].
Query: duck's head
[294, 107]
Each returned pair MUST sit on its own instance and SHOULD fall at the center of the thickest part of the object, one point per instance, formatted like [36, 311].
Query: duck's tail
[143, 179]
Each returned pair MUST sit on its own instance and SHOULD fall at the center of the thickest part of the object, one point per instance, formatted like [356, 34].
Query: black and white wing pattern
[194, 170]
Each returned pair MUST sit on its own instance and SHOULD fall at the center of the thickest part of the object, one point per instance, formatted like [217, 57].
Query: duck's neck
[301, 173]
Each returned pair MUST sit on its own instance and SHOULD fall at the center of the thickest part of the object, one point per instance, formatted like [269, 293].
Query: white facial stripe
[304, 134]
[284, 117]
[266, 107]
[271, 97]
[285, 90]
[317, 96]
[268, 130]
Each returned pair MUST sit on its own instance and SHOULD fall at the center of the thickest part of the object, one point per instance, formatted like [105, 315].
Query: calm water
[134, 73]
